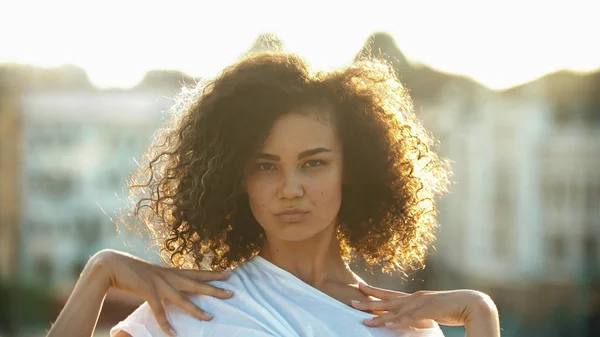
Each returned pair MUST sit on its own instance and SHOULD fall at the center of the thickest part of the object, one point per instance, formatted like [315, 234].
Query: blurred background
[510, 89]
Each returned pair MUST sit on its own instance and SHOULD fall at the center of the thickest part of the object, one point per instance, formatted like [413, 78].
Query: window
[554, 194]
[115, 182]
[592, 197]
[65, 140]
[504, 206]
[590, 246]
[40, 139]
[53, 185]
[61, 136]
[88, 231]
[43, 268]
[556, 247]
[112, 180]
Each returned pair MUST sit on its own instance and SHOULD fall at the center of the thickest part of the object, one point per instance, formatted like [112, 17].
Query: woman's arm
[483, 321]
[80, 314]
[153, 283]
[469, 308]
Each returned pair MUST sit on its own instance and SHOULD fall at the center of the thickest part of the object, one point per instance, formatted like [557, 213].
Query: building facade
[10, 155]
[523, 216]
[78, 151]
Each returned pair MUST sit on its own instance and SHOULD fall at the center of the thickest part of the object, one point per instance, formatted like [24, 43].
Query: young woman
[278, 176]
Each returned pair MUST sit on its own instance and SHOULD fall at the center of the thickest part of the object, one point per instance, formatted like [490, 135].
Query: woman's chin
[297, 234]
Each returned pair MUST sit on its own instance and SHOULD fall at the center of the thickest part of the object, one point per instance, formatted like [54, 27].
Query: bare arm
[84, 304]
[469, 308]
[483, 321]
[150, 282]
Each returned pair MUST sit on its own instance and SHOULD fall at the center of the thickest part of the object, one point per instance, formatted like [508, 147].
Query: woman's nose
[291, 186]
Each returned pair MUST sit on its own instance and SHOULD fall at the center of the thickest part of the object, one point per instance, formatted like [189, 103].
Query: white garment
[267, 301]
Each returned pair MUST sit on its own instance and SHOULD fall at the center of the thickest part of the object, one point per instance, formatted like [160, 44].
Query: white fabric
[267, 301]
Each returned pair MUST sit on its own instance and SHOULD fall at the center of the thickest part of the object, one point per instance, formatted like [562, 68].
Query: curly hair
[189, 189]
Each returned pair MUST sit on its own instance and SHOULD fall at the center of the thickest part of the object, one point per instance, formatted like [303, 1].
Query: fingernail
[173, 333]
[369, 320]
[393, 325]
[209, 316]
[228, 291]
[355, 302]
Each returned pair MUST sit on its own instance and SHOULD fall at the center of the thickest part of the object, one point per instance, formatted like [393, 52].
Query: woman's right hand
[157, 284]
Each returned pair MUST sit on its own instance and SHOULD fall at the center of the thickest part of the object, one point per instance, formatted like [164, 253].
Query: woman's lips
[291, 217]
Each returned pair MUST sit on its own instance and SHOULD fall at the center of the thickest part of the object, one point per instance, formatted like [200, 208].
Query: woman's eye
[313, 163]
[265, 166]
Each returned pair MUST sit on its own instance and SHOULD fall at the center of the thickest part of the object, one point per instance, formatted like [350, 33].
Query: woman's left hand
[455, 307]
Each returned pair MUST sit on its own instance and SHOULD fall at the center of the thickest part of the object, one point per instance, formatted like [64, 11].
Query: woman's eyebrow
[268, 156]
[302, 154]
[312, 152]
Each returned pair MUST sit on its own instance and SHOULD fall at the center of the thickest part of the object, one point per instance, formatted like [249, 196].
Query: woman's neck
[316, 261]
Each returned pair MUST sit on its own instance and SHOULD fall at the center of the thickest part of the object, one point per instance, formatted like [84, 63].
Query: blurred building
[78, 149]
[10, 156]
[522, 220]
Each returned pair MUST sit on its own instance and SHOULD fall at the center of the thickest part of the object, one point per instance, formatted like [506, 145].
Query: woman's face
[294, 184]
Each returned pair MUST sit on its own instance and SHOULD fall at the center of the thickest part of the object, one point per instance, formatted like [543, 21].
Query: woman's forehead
[297, 132]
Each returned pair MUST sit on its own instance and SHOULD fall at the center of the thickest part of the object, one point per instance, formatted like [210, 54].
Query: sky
[497, 43]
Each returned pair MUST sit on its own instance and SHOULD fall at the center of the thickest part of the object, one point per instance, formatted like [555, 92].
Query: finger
[196, 287]
[390, 317]
[384, 305]
[384, 294]
[178, 299]
[401, 316]
[396, 318]
[204, 275]
[159, 314]
[401, 322]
